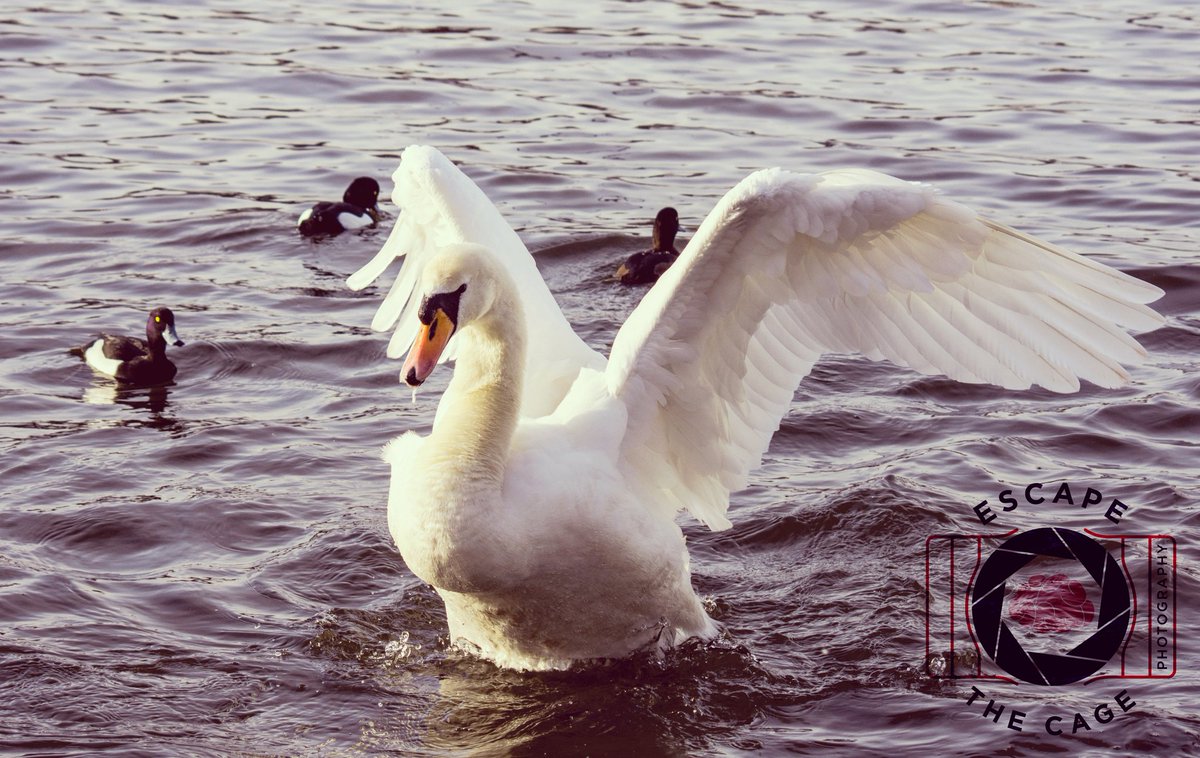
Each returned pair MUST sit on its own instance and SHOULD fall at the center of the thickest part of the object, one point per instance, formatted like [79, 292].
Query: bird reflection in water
[152, 400]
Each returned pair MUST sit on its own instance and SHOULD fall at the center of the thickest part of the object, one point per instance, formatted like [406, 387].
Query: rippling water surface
[204, 569]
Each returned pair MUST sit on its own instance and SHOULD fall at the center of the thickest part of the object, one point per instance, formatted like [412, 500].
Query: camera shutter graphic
[966, 635]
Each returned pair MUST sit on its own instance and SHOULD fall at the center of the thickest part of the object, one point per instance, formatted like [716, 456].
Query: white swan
[542, 505]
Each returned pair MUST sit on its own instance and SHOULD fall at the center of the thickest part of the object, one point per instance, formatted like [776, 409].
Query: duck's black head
[363, 192]
[161, 324]
[666, 226]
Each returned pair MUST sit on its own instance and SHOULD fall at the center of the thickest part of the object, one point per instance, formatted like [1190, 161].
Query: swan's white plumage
[785, 268]
[788, 267]
[440, 206]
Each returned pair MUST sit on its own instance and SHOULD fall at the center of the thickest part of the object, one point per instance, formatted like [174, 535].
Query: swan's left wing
[439, 205]
[789, 266]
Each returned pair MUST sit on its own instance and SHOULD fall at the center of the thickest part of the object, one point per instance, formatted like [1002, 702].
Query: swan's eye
[446, 302]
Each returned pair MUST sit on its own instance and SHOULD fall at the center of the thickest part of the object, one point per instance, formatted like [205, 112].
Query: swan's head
[458, 287]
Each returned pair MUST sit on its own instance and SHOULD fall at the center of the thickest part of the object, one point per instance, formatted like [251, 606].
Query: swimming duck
[645, 267]
[130, 360]
[359, 208]
[542, 505]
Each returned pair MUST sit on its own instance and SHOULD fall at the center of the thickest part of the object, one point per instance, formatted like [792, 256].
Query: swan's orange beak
[431, 341]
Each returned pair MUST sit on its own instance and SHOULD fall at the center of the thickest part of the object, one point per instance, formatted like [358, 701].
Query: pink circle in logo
[1051, 604]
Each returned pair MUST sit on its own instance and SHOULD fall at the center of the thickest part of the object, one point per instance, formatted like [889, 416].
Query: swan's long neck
[479, 410]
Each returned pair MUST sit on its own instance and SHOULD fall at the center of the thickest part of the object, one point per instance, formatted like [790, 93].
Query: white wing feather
[439, 205]
[789, 266]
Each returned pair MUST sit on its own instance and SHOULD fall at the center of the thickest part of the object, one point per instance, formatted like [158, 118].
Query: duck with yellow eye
[130, 360]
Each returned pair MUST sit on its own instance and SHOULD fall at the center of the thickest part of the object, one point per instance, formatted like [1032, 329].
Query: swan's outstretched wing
[788, 267]
[439, 205]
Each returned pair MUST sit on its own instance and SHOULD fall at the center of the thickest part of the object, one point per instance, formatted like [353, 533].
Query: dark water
[205, 570]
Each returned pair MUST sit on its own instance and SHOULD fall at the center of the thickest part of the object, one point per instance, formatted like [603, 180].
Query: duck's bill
[427, 348]
[172, 337]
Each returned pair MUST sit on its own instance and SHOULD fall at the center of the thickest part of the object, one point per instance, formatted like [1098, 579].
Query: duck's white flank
[542, 506]
[350, 222]
[95, 357]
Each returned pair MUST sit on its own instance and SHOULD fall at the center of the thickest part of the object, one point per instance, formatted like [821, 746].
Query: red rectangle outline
[966, 603]
[1149, 616]
[1128, 576]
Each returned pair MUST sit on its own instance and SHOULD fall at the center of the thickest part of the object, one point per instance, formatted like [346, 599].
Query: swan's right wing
[439, 205]
[790, 266]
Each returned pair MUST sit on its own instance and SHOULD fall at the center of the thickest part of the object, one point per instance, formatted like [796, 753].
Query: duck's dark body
[357, 209]
[133, 361]
[645, 267]
[326, 219]
[140, 363]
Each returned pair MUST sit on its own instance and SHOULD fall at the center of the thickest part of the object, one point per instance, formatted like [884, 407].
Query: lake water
[204, 569]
